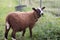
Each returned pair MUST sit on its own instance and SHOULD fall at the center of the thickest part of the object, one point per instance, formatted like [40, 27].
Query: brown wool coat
[21, 20]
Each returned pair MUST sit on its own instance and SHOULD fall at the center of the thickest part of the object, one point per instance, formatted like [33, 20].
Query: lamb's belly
[19, 26]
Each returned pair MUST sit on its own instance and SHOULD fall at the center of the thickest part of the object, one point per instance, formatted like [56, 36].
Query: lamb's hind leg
[7, 28]
[13, 35]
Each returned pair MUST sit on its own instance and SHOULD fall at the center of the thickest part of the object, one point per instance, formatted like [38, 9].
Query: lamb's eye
[41, 12]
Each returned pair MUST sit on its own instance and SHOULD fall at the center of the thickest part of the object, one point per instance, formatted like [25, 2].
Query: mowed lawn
[47, 27]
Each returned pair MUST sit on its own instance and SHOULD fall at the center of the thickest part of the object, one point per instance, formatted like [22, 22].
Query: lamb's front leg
[23, 32]
[30, 29]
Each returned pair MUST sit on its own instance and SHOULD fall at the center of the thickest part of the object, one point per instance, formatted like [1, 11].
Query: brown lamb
[19, 21]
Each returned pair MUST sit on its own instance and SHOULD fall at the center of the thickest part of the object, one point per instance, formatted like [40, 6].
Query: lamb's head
[39, 11]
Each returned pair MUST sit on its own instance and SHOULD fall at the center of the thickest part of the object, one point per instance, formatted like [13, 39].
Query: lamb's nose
[42, 14]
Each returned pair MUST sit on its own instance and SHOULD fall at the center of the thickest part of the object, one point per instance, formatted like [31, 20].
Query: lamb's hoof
[22, 38]
[13, 39]
[5, 39]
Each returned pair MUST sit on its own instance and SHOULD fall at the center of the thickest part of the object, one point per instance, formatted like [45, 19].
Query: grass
[47, 27]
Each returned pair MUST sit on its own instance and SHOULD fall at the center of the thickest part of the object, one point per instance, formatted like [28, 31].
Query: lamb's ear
[34, 9]
[43, 8]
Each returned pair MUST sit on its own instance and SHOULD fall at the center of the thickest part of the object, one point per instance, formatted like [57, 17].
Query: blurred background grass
[47, 27]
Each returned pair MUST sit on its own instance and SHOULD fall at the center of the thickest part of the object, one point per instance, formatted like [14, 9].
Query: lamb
[19, 21]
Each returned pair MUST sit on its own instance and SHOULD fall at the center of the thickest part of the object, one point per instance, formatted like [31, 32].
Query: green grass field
[47, 27]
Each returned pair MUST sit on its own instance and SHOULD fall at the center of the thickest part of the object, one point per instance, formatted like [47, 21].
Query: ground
[47, 27]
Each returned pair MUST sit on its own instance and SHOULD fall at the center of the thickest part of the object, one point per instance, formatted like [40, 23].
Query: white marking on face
[13, 39]
[40, 10]
[5, 39]
[7, 24]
